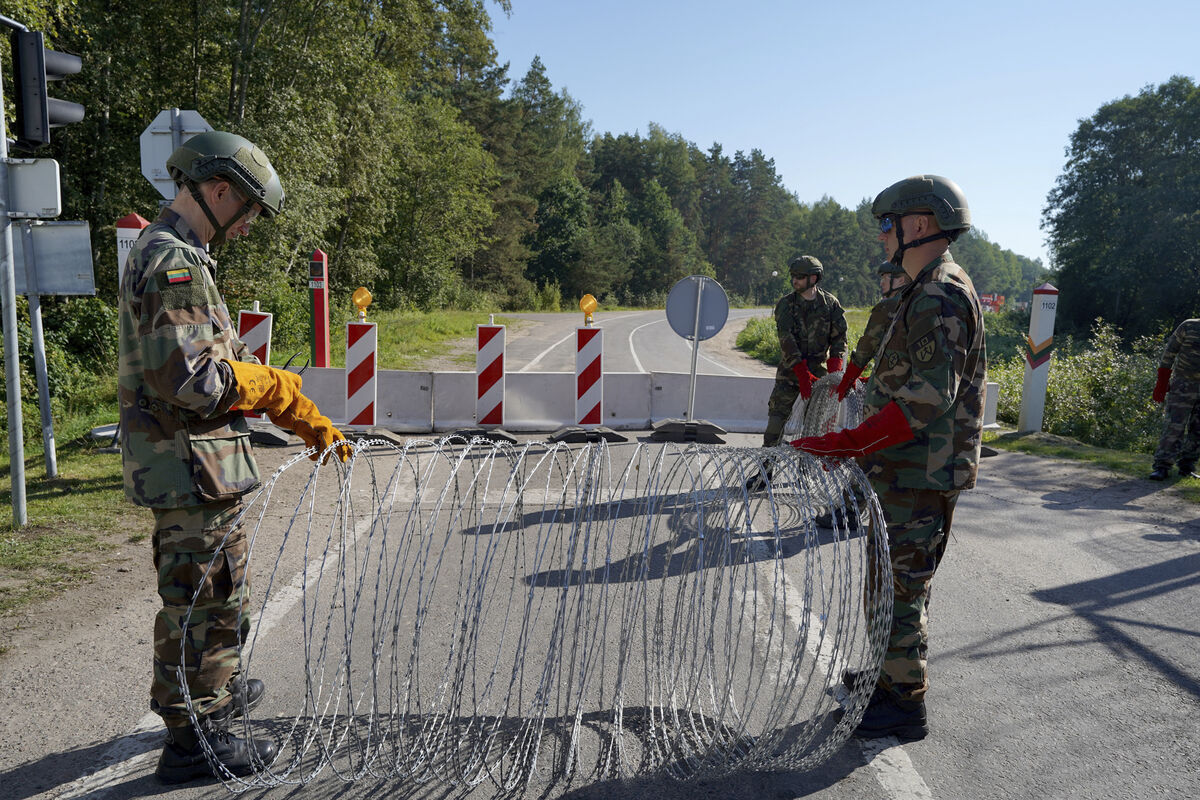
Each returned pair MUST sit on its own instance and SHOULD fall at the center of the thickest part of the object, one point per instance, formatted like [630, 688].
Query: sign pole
[39, 354]
[12, 361]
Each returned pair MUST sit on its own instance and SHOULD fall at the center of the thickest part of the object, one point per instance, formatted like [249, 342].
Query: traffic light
[33, 67]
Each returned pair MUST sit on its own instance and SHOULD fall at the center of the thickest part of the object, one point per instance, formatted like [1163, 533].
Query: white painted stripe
[139, 749]
[543, 354]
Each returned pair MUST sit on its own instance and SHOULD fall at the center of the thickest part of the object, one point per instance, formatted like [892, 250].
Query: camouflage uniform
[931, 362]
[810, 331]
[186, 456]
[877, 323]
[1180, 439]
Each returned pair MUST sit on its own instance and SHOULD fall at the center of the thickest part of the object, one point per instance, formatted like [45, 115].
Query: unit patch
[180, 275]
[923, 350]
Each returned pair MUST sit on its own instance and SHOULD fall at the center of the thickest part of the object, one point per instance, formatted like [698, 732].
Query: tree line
[428, 173]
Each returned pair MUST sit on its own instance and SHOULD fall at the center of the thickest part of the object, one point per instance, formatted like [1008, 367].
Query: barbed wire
[492, 618]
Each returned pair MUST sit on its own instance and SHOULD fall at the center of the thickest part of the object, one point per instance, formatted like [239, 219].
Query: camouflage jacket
[1182, 352]
[877, 323]
[180, 443]
[931, 362]
[810, 330]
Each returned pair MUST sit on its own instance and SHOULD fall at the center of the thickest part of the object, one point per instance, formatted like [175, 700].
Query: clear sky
[849, 96]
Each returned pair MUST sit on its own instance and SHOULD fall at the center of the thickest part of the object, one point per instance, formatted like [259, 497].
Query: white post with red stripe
[589, 376]
[489, 375]
[362, 341]
[254, 329]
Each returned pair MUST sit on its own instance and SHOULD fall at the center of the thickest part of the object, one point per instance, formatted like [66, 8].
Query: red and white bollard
[589, 376]
[362, 340]
[254, 329]
[489, 375]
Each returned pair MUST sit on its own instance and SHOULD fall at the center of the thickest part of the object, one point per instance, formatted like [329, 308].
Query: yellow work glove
[277, 392]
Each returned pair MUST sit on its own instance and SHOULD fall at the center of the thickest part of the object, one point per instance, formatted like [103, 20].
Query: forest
[428, 172]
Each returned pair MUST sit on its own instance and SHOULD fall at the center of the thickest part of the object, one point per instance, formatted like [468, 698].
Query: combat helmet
[892, 271]
[219, 154]
[805, 265]
[931, 194]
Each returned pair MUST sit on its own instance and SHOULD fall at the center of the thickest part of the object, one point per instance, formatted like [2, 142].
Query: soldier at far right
[1179, 385]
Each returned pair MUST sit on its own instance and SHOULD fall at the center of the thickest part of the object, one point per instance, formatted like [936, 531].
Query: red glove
[834, 364]
[805, 377]
[884, 429]
[852, 372]
[1162, 384]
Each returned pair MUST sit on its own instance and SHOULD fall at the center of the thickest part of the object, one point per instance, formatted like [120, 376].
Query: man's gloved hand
[805, 377]
[277, 392]
[887, 427]
[834, 364]
[848, 377]
[303, 418]
[1162, 384]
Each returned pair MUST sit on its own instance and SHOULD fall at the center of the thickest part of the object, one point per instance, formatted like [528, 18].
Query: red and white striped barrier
[254, 329]
[362, 340]
[589, 376]
[489, 375]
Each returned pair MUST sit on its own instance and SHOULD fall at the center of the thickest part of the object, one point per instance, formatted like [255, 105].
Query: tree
[1122, 217]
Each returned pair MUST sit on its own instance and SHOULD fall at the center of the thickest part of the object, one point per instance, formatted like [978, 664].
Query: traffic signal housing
[34, 67]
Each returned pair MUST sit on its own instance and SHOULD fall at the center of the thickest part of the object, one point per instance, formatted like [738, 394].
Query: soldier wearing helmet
[812, 337]
[892, 278]
[920, 442]
[183, 382]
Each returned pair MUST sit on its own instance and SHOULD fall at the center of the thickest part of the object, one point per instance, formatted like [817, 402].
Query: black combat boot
[758, 482]
[247, 694]
[1160, 473]
[183, 757]
[1187, 469]
[887, 715]
[838, 517]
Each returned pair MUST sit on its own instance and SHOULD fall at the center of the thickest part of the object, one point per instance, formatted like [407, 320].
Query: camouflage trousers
[918, 527]
[1180, 441]
[783, 399]
[196, 560]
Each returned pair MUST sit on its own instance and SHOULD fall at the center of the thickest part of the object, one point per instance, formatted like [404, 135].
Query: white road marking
[138, 749]
[545, 352]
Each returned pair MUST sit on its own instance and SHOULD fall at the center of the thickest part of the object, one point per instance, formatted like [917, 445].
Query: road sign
[683, 308]
[33, 188]
[171, 128]
[62, 258]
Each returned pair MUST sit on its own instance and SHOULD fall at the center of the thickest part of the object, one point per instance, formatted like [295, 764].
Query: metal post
[695, 350]
[39, 352]
[12, 360]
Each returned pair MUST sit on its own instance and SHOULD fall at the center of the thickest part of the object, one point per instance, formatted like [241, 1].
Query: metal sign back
[62, 253]
[33, 188]
[171, 128]
[682, 311]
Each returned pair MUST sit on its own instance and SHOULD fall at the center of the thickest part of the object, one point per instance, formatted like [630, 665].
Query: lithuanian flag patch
[181, 275]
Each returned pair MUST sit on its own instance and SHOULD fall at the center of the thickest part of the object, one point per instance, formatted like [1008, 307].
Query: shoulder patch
[923, 349]
[179, 275]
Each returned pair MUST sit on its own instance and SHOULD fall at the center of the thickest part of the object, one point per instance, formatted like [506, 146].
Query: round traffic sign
[697, 299]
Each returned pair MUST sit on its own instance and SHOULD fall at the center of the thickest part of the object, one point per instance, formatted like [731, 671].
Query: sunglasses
[888, 221]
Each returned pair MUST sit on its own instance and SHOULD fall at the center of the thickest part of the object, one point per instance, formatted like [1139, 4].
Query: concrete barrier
[428, 402]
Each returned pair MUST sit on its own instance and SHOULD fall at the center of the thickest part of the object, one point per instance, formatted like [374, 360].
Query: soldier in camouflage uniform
[812, 337]
[1178, 385]
[184, 380]
[920, 442]
[892, 278]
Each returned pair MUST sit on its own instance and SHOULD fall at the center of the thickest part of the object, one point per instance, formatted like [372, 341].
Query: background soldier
[1179, 385]
[892, 278]
[920, 443]
[184, 380]
[812, 337]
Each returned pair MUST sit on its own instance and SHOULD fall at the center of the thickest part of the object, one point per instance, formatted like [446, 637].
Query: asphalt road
[1064, 664]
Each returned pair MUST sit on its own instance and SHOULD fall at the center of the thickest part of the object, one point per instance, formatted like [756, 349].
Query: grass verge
[1049, 445]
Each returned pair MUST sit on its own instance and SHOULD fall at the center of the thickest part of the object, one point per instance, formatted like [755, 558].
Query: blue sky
[848, 97]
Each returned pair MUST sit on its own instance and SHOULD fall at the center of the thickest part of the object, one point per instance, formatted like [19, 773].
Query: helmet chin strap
[219, 230]
[898, 256]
